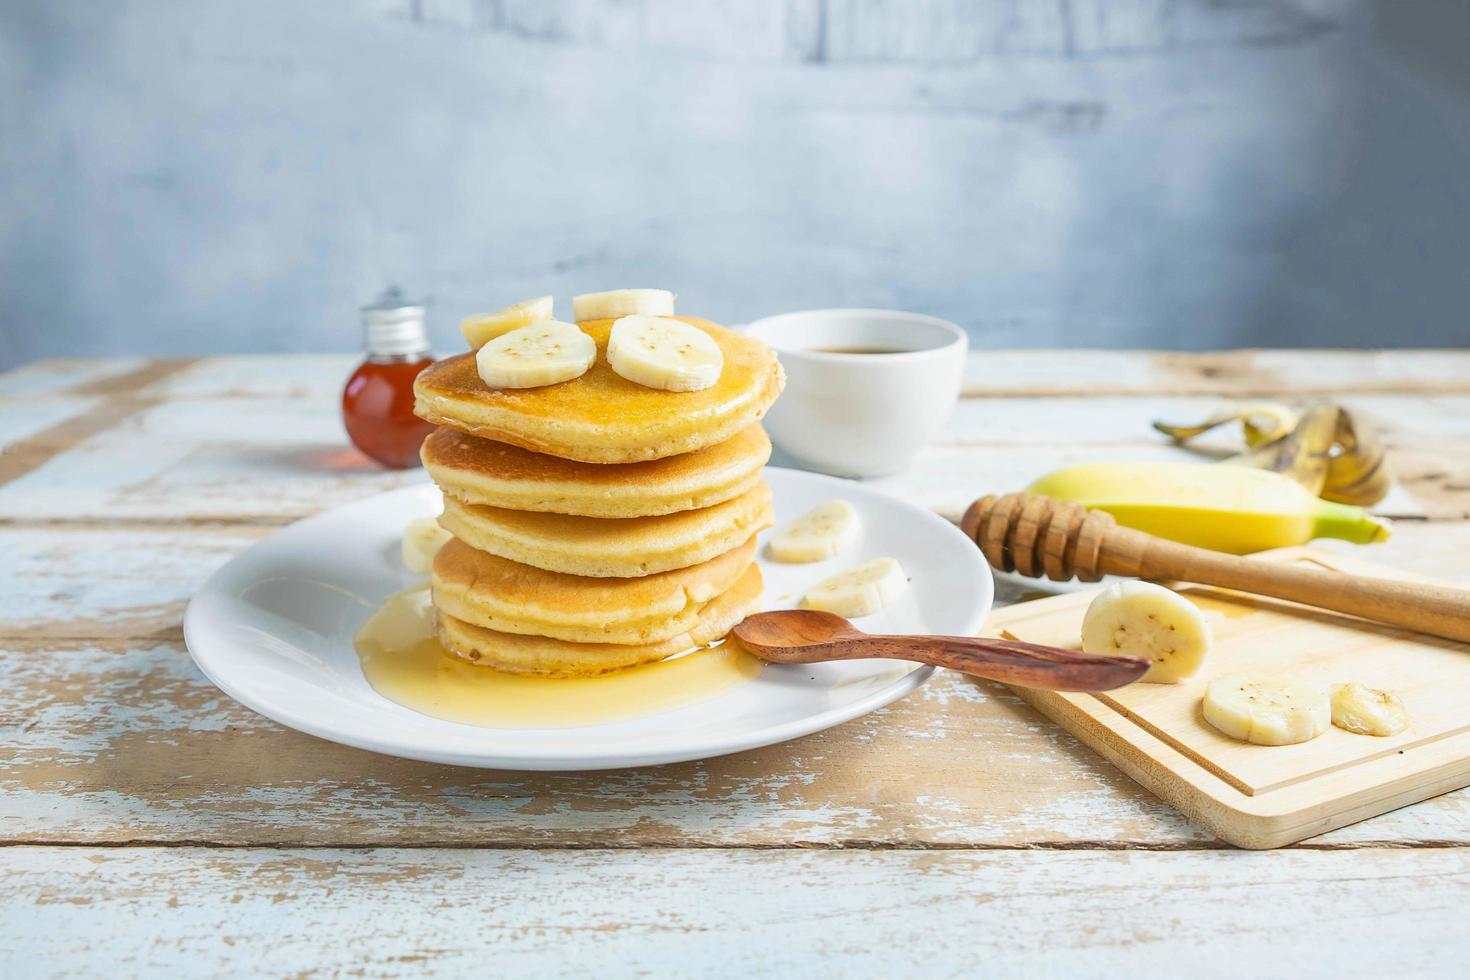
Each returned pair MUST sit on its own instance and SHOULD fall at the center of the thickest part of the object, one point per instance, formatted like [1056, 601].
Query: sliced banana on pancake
[482, 328]
[1140, 619]
[859, 591]
[422, 540]
[1267, 710]
[1366, 710]
[818, 534]
[622, 302]
[543, 353]
[658, 352]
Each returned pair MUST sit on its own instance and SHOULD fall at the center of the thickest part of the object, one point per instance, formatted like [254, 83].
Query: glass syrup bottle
[377, 402]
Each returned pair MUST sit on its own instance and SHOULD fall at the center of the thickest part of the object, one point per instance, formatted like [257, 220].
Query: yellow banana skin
[1234, 509]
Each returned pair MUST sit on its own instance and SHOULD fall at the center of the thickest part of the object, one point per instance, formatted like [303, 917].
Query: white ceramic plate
[274, 627]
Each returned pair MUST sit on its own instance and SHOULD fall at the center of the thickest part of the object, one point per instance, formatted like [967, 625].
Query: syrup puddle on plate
[403, 661]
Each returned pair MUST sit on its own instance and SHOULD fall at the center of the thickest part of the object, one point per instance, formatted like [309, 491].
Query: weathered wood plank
[784, 913]
[24, 418]
[990, 372]
[1227, 373]
[116, 744]
[125, 743]
[63, 375]
[70, 583]
[257, 459]
[261, 376]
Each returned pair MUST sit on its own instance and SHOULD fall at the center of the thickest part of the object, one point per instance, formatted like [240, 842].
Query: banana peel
[1304, 455]
[1260, 422]
[1322, 448]
[1359, 472]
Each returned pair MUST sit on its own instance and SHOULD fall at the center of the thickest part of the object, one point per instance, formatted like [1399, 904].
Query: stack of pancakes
[597, 523]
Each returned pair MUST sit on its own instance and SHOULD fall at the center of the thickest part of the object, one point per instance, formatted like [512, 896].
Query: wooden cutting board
[1260, 796]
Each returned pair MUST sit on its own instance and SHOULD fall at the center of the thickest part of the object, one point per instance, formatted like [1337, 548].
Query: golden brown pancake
[626, 547]
[478, 471]
[541, 655]
[602, 417]
[510, 597]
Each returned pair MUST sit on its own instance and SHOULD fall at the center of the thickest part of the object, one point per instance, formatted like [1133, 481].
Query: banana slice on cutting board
[817, 535]
[1267, 710]
[422, 540]
[658, 352]
[482, 328]
[1140, 619]
[622, 302]
[543, 353]
[859, 591]
[1366, 710]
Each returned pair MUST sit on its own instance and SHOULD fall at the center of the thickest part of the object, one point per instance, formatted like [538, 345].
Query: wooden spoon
[808, 636]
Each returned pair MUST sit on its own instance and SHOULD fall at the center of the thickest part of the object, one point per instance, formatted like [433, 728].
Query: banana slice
[622, 302]
[1141, 619]
[422, 540]
[482, 328]
[657, 352]
[1366, 710]
[1266, 710]
[816, 535]
[541, 354]
[862, 590]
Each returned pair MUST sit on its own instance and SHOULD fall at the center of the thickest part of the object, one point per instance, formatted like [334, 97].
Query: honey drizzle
[403, 661]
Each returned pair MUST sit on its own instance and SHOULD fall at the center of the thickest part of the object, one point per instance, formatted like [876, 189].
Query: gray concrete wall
[207, 176]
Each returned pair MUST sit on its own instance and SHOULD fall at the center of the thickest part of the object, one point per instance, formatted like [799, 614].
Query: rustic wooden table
[153, 823]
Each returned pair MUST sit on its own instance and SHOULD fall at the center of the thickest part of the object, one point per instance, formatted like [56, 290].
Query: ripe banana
[482, 328]
[816, 535]
[1367, 710]
[541, 354]
[1226, 508]
[658, 352]
[1140, 619]
[859, 591]
[1266, 710]
[622, 302]
[422, 540]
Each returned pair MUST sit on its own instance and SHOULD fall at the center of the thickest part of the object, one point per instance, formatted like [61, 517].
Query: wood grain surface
[151, 822]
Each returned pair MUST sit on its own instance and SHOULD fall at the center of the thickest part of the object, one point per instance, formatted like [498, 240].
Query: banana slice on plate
[818, 534]
[1366, 710]
[859, 591]
[658, 352]
[622, 302]
[482, 328]
[1140, 619]
[422, 540]
[543, 353]
[1267, 710]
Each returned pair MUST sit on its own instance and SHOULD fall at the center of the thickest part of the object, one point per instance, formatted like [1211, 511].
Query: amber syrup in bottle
[377, 403]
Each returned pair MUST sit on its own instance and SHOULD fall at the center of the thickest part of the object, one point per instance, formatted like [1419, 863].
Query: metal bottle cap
[392, 325]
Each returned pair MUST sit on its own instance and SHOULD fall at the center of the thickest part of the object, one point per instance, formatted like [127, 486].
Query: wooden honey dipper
[1036, 535]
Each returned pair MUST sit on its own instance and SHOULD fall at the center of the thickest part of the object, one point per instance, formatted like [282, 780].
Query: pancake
[541, 655]
[478, 471]
[626, 547]
[602, 417]
[504, 595]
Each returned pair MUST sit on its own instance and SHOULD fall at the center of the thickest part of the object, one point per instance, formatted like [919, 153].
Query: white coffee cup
[862, 414]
